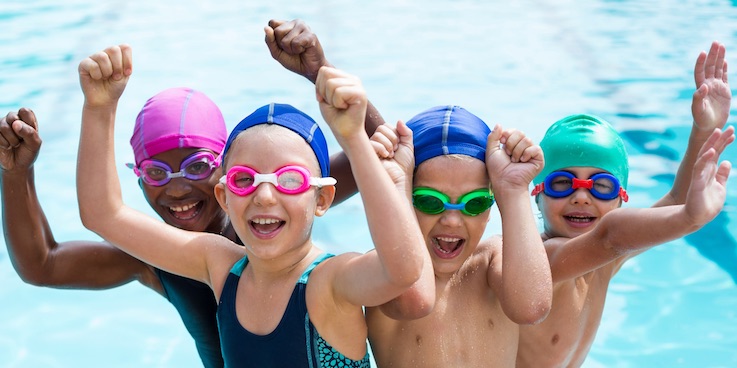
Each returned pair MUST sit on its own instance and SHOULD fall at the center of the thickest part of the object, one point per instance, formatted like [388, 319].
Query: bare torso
[564, 338]
[467, 327]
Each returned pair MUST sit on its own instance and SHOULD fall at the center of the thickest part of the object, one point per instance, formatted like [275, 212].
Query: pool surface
[522, 64]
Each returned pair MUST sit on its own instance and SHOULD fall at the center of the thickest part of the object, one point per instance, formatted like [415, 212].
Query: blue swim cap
[295, 120]
[584, 141]
[447, 130]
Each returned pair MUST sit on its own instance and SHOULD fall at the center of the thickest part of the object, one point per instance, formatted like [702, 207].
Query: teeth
[265, 221]
[449, 240]
[183, 208]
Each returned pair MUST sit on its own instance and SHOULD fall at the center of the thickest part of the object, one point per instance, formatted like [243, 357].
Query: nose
[451, 218]
[178, 187]
[581, 196]
[264, 195]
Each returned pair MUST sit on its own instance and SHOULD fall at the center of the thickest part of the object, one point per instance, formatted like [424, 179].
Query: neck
[282, 266]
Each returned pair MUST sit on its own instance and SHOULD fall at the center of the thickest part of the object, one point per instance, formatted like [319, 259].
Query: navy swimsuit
[294, 342]
[196, 305]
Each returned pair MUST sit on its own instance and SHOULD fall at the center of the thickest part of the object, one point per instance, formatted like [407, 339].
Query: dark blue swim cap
[293, 119]
[447, 130]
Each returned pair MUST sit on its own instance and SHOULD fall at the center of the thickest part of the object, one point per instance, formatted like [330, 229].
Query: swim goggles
[433, 202]
[559, 184]
[196, 166]
[292, 179]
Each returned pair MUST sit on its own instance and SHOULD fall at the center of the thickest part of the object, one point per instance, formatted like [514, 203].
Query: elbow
[531, 315]
[35, 277]
[92, 218]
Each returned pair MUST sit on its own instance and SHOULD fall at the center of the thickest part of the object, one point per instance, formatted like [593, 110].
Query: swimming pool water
[522, 64]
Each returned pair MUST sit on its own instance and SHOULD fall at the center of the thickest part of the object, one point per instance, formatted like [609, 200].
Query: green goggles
[433, 202]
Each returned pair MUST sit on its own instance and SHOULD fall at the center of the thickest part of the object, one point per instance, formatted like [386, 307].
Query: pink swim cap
[178, 118]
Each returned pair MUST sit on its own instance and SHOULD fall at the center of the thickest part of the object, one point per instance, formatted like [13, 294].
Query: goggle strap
[134, 168]
[321, 182]
[538, 189]
[623, 194]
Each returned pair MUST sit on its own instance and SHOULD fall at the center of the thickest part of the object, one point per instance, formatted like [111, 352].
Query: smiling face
[451, 236]
[184, 203]
[271, 223]
[576, 214]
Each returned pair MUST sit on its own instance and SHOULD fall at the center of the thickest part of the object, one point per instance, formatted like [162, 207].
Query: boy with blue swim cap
[588, 237]
[484, 288]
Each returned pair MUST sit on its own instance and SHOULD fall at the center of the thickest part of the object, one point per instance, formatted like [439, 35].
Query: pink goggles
[291, 179]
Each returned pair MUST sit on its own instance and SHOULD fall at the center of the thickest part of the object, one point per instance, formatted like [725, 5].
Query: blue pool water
[522, 64]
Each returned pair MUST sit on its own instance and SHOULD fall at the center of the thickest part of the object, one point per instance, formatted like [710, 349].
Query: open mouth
[447, 247]
[580, 220]
[266, 226]
[186, 212]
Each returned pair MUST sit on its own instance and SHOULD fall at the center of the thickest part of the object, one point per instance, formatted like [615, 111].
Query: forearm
[397, 238]
[341, 166]
[98, 188]
[27, 233]
[627, 230]
[527, 285]
[677, 193]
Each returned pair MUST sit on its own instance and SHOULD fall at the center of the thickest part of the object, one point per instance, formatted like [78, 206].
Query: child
[186, 202]
[264, 318]
[483, 288]
[588, 237]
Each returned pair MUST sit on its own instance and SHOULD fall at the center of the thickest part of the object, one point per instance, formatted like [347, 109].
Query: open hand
[708, 189]
[711, 101]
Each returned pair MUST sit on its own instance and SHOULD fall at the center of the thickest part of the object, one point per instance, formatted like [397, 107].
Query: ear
[325, 197]
[220, 195]
[140, 183]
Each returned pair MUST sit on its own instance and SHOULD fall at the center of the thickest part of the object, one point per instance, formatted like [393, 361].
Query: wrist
[18, 173]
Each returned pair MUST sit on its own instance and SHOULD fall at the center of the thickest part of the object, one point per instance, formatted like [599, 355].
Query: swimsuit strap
[317, 261]
[239, 266]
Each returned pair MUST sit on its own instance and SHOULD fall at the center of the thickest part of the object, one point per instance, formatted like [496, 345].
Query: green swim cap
[584, 140]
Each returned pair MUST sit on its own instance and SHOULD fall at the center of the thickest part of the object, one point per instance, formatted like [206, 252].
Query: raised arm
[625, 232]
[395, 149]
[375, 277]
[36, 256]
[710, 109]
[521, 276]
[297, 48]
[103, 77]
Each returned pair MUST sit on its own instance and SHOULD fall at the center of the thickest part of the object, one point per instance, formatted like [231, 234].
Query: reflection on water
[523, 64]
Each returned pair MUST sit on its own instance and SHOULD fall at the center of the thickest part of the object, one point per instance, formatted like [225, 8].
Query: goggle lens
[560, 184]
[292, 179]
[434, 202]
[196, 166]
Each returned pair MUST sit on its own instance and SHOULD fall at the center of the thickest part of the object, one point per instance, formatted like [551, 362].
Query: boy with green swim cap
[588, 237]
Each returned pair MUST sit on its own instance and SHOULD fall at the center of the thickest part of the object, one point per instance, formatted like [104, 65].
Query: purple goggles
[196, 166]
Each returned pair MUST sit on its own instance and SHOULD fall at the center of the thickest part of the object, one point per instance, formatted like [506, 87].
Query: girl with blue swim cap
[282, 301]
[177, 140]
[588, 237]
